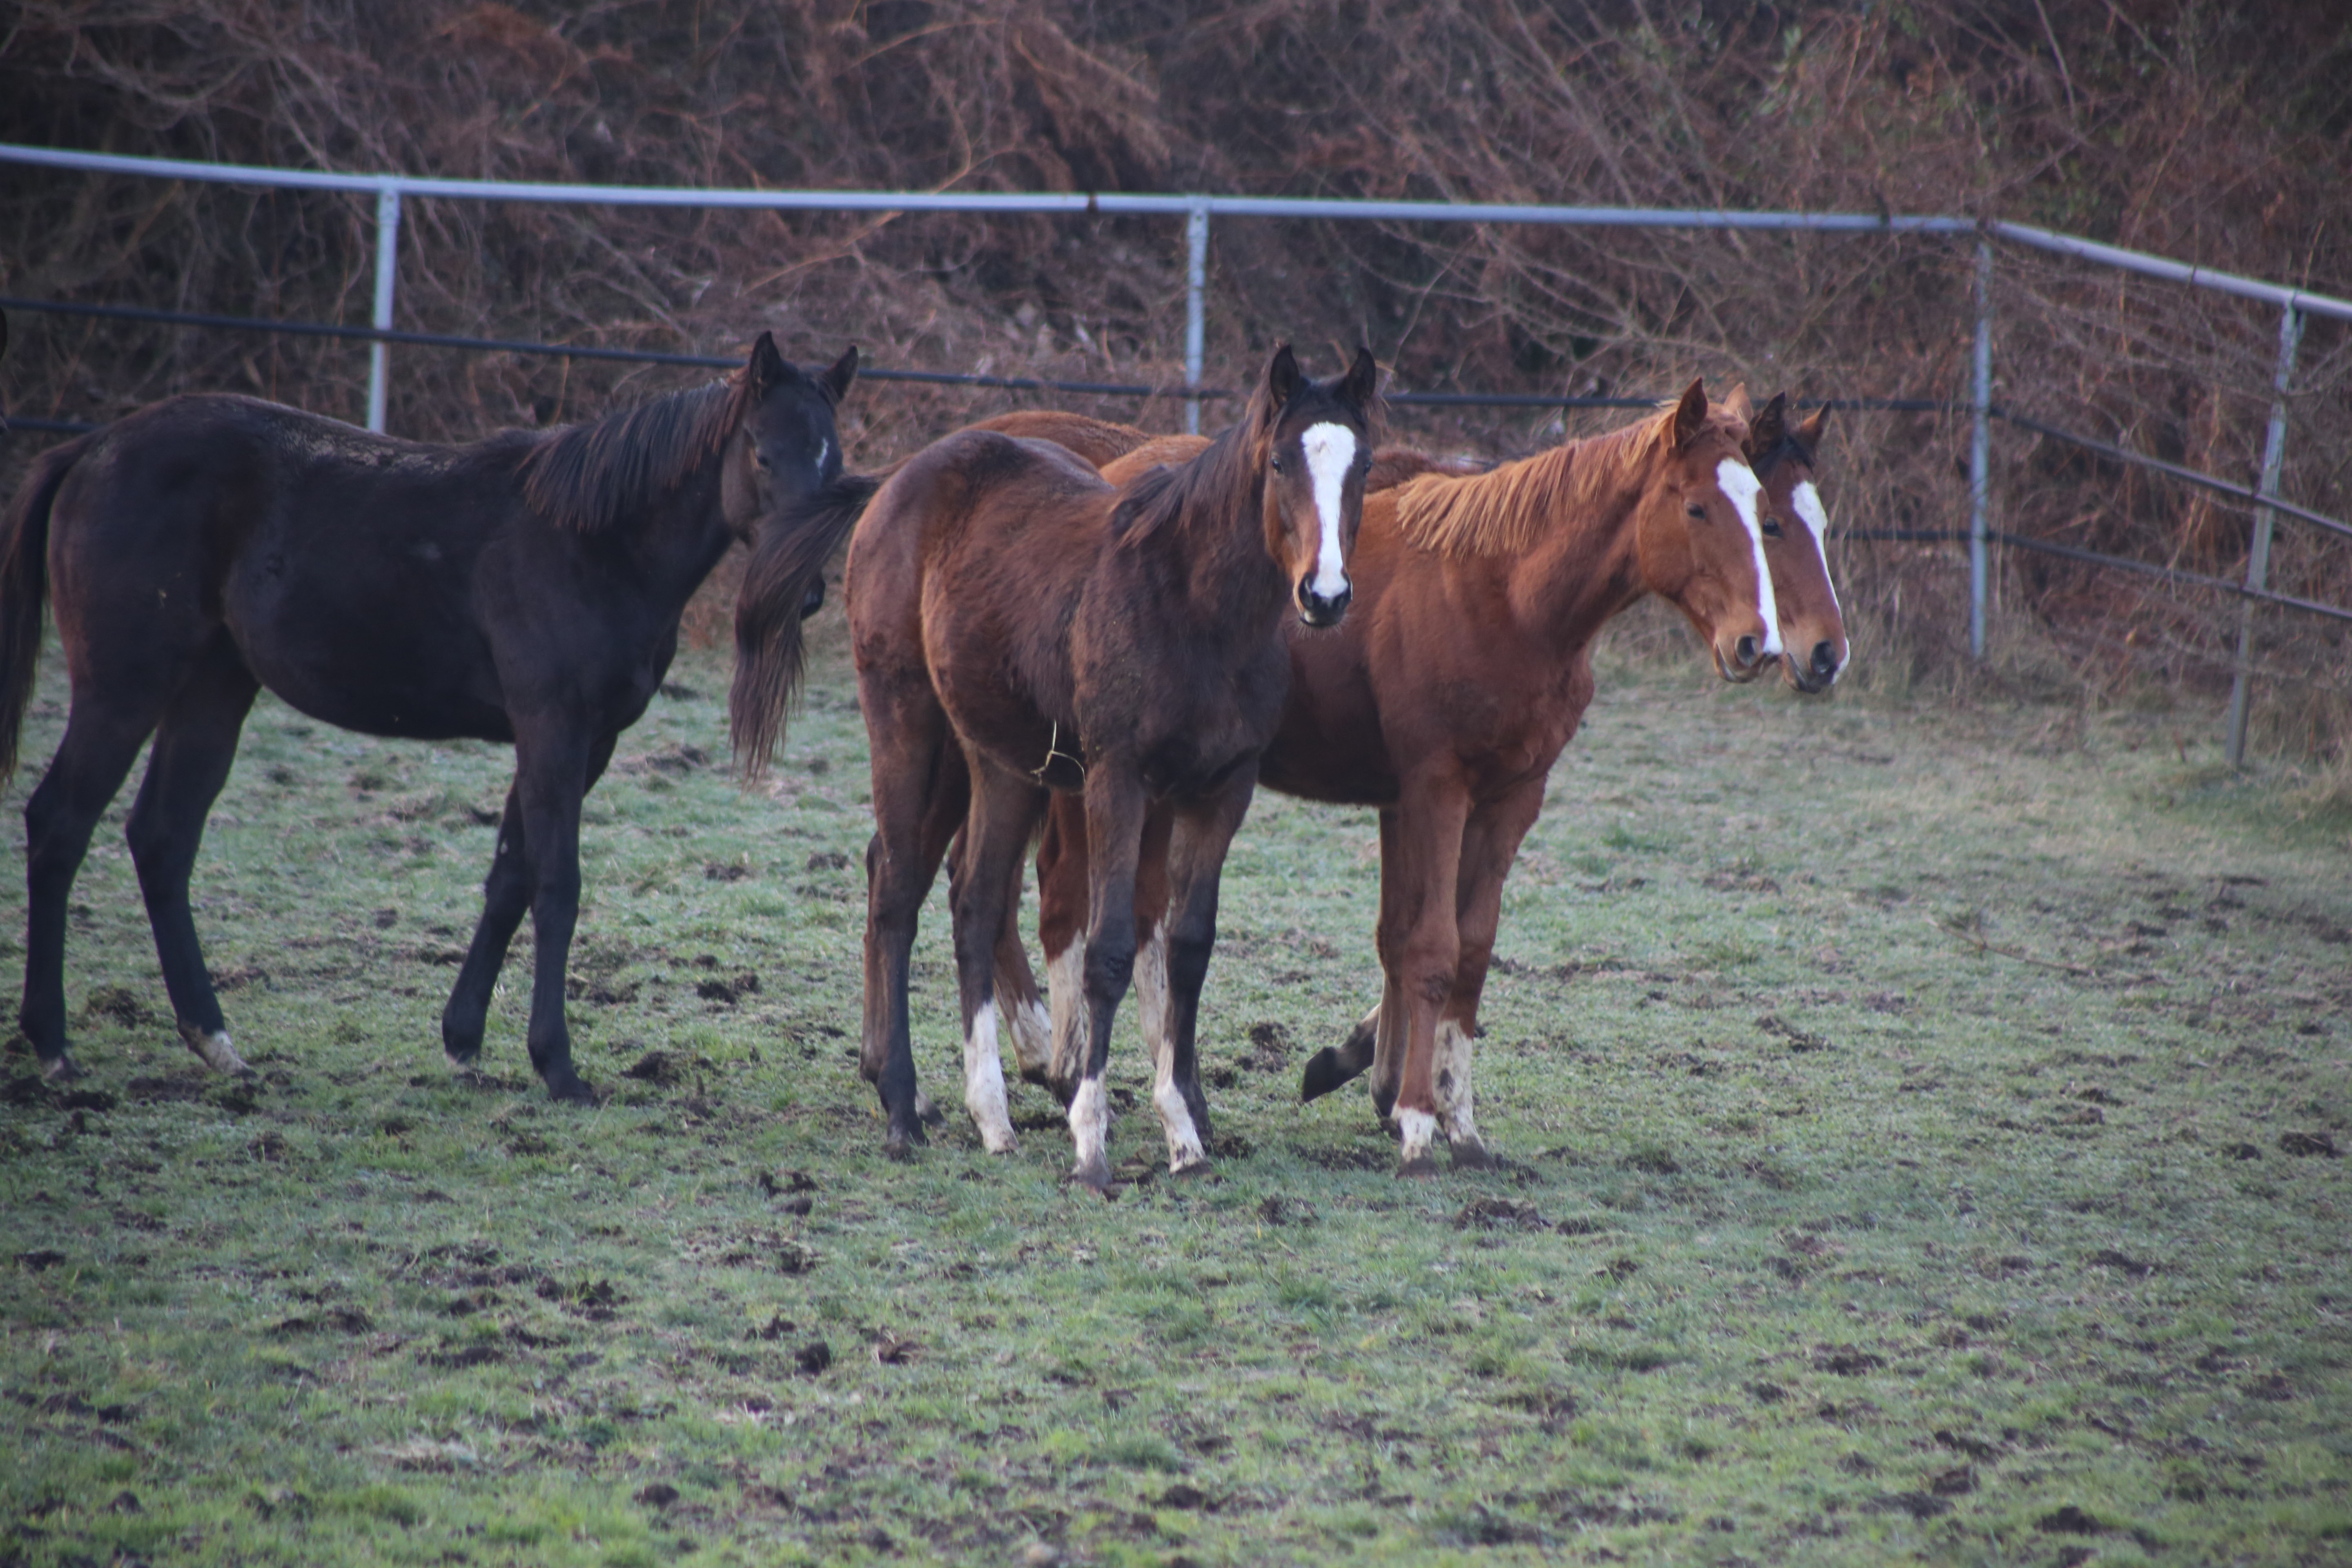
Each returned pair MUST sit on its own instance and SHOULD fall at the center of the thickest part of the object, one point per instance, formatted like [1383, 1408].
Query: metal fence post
[1196, 285]
[387, 267]
[2258, 557]
[1981, 451]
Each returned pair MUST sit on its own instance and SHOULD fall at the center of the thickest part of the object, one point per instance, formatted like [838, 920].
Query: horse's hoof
[1472, 1154]
[1041, 1079]
[1093, 1175]
[569, 1088]
[929, 1114]
[60, 1068]
[212, 1048]
[1201, 1165]
[1323, 1075]
[1421, 1167]
[902, 1140]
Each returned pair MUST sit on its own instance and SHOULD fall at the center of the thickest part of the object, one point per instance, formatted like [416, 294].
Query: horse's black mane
[588, 477]
[1787, 446]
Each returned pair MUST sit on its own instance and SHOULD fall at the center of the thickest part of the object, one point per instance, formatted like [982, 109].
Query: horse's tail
[25, 588]
[786, 572]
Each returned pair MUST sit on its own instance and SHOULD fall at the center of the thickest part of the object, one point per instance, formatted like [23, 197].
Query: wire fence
[2295, 305]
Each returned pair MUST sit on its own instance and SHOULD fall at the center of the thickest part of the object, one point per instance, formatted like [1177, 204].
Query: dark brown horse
[1457, 681]
[1021, 626]
[526, 588]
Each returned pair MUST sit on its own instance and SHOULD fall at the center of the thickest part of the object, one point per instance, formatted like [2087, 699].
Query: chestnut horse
[526, 588]
[1020, 626]
[1537, 556]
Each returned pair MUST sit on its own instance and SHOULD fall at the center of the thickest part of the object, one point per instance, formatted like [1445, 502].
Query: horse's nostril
[1745, 650]
[1825, 659]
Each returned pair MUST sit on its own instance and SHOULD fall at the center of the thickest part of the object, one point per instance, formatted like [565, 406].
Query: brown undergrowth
[2211, 133]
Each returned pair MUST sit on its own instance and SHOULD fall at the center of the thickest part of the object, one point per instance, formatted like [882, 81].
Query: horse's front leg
[506, 895]
[554, 760]
[1490, 843]
[1422, 947]
[1194, 858]
[1115, 810]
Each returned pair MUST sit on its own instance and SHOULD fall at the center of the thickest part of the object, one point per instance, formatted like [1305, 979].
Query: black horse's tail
[25, 588]
[782, 585]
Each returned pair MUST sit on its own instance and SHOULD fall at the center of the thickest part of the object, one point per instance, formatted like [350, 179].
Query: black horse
[526, 588]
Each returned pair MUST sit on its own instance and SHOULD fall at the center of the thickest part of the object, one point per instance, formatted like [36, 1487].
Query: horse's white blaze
[1330, 453]
[213, 1046]
[1090, 1127]
[1418, 1127]
[1736, 481]
[1065, 976]
[1032, 1027]
[1808, 503]
[1453, 1097]
[984, 1083]
[823, 450]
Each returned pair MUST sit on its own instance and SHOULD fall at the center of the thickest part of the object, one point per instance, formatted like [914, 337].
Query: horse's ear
[1690, 414]
[1363, 381]
[1809, 429]
[1282, 375]
[1736, 404]
[1764, 431]
[836, 379]
[767, 369]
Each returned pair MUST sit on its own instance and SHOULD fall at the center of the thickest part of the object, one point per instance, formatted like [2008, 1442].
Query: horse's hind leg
[101, 741]
[1334, 1066]
[1490, 843]
[194, 746]
[996, 832]
[1062, 873]
[920, 788]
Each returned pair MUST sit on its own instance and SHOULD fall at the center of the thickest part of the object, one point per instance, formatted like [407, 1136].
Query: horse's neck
[1218, 551]
[1583, 571]
[676, 544]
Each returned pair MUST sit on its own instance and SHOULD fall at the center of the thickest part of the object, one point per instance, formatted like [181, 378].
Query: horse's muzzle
[1317, 610]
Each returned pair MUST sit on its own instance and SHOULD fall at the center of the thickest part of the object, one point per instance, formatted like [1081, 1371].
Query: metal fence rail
[2295, 306]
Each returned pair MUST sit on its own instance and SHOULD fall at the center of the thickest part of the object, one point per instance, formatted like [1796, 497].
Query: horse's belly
[370, 667]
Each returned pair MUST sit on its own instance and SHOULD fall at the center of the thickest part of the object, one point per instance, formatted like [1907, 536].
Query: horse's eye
[1772, 528]
[1693, 511]
[1277, 465]
[759, 458]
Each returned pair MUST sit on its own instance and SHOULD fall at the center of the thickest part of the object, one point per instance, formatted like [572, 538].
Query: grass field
[1920, 1125]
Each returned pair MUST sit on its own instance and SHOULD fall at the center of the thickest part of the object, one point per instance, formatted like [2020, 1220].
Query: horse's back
[341, 563]
[1098, 441]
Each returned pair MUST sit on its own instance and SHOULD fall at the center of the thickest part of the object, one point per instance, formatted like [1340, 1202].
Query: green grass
[1898, 1095]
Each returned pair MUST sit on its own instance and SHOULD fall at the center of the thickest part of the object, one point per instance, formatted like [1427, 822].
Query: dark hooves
[932, 1116]
[60, 1068]
[571, 1088]
[1323, 1075]
[1038, 1077]
[1474, 1155]
[1094, 1178]
[1421, 1167]
[903, 1140]
[1197, 1168]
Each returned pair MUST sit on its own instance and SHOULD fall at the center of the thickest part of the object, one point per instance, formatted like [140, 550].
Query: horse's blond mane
[1506, 510]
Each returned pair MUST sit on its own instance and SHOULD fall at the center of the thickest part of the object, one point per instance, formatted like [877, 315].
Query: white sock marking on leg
[1090, 1128]
[984, 1083]
[1065, 974]
[1418, 1127]
[1454, 1050]
[1032, 1027]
